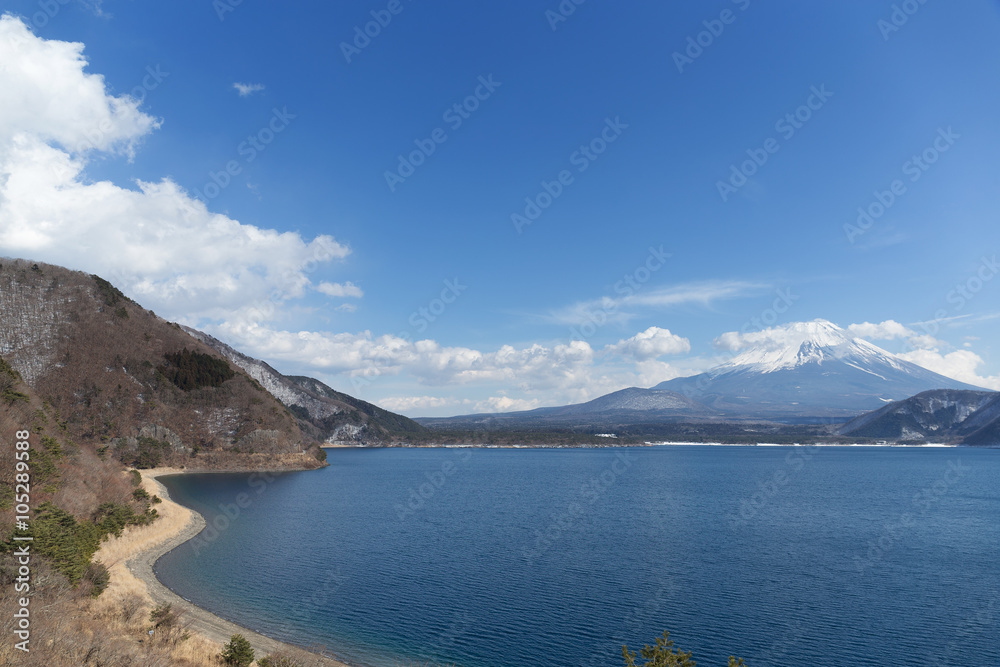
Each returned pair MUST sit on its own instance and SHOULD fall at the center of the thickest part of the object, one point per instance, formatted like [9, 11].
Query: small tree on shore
[237, 652]
[664, 655]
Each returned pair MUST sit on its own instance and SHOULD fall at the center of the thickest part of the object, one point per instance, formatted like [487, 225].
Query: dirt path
[131, 557]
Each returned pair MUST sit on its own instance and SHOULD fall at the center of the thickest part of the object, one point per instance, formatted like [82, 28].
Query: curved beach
[130, 559]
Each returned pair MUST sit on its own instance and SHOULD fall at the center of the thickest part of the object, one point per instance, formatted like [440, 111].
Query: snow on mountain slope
[972, 417]
[811, 369]
[809, 342]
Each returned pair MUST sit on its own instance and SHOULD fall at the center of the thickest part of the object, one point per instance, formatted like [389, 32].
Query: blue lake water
[516, 558]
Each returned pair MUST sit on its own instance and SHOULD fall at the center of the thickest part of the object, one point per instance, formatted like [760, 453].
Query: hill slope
[324, 413]
[966, 417]
[119, 375]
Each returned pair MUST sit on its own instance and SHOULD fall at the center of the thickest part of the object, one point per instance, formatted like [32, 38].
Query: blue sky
[309, 139]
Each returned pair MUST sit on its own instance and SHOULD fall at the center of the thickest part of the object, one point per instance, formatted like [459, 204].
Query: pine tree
[237, 652]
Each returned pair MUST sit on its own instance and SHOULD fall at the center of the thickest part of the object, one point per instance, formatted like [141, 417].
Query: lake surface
[517, 558]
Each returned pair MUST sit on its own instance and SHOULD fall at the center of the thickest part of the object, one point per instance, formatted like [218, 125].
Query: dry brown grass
[126, 593]
[134, 539]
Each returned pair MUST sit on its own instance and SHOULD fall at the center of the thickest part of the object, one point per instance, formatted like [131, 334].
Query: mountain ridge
[325, 413]
[944, 415]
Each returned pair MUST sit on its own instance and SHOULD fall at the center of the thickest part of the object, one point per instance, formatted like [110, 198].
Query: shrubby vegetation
[43, 461]
[99, 577]
[109, 294]
[662, 654]
[70, 544]
[8, 384]
[237, 652]
[194, 370]
[147, 453]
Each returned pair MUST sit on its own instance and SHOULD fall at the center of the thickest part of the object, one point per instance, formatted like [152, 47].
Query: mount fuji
[809, 369]
[804, 372]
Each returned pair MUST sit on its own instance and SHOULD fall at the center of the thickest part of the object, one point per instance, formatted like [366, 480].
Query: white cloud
[772, 338]
[95, 7]
[652, 372]
[620, 308]
[887, 330]
[346, 308]
[891, 330]
[363, 356]
[49, 99]
[154, 241]
[652, 343]
[960, 365]
[347, 289]
[408, 404]
[505, 404]
[925, 342]
[247, 89]
[415, 405]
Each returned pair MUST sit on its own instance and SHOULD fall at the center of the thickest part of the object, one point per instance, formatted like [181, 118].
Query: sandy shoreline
[130, 559]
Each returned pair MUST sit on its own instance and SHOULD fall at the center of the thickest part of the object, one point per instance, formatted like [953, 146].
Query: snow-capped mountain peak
[806, 368]
[801, 343]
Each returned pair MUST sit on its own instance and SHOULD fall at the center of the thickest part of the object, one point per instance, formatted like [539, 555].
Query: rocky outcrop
[941, 415]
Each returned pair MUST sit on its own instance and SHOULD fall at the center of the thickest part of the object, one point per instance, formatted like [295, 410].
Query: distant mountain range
[818, 372]
[117, 374]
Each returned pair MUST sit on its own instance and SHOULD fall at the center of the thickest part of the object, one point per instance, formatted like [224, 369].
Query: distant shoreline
[611, 444]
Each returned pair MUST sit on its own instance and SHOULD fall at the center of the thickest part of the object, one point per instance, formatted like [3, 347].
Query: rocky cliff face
[103, 363]
[324, 413]
[942, 415]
